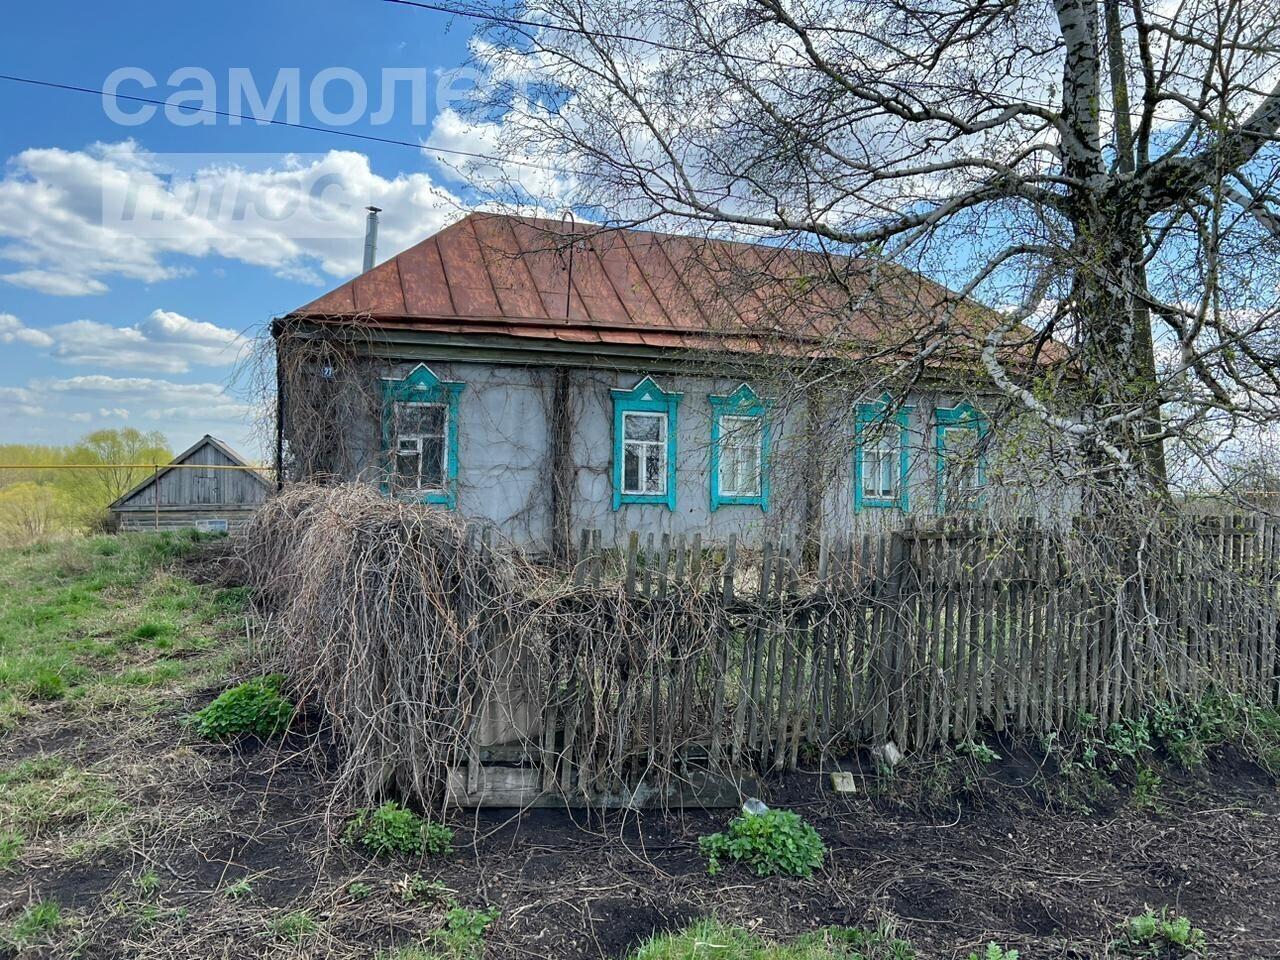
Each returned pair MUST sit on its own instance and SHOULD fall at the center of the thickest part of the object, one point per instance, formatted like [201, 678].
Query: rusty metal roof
[529, 278]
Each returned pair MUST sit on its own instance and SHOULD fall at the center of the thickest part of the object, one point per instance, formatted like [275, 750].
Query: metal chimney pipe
[371, 238]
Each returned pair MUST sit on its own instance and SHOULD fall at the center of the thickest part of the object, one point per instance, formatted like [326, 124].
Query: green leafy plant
[392, 830]
[418, 889]
[979, 751]
[147, 882]
[34, 925]
[358, 890]
[238, 890]
[774, 842]
[995, 952]
[295, 926]
[463, 932]
[1146, 793]
[256, 706]
[1165, 934]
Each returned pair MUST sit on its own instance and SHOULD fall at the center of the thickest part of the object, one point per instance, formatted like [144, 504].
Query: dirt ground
[203, 851]
[990, 862]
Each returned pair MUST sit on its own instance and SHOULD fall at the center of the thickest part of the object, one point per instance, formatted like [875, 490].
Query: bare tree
[1102, 175]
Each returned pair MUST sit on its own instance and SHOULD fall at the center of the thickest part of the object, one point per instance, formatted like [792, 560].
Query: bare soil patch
[991, 861]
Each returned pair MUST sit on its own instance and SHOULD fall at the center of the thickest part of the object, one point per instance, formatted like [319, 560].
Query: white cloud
[164, 341]
[163, 403]
[530, 176]
[160, 397]
[55, 284]
[118, 210]
[13, 330]
[19, 400]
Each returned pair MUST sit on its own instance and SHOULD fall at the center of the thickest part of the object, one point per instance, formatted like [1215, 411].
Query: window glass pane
[406, 471]
[879, 471]
[416, 419]
[747, 482]
[655, 468]
[729, 470]
[631, 468]
[433, 463]
[960, 446]
[643, 426]
[888, 472]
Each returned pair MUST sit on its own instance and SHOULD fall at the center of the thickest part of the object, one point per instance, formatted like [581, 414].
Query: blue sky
[105, 321]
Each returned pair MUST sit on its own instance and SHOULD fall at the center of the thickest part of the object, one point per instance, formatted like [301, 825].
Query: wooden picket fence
[730, 663]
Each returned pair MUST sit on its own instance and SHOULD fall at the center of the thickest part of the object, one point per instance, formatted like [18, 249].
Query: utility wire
[315, 128]
[664, 45]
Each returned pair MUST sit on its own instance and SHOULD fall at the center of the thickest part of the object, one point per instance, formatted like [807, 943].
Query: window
[739, 449]
[420, 437]
[422, 452]
[212, 526]
[961, 441]
[961, 450]
[880, 456]
[644, 445]
[644, 453]
[880, 466]
[740, 442]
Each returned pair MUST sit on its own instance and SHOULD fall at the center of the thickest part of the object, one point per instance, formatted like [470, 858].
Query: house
[208, 487]
[549, 378]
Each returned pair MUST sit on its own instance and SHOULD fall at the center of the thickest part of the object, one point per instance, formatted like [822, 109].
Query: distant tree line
[38, 502]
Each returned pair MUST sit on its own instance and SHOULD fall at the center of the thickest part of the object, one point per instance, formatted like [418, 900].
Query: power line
[314, 128]
[662, 44]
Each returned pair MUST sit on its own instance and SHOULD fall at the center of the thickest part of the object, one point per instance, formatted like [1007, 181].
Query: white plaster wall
[505, 425]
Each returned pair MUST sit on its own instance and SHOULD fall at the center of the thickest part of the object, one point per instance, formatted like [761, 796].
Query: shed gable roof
[223, 452]
[506, 275]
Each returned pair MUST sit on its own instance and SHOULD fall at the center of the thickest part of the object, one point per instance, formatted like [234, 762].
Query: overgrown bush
[391, 830]
[774, 842]
[256, 706]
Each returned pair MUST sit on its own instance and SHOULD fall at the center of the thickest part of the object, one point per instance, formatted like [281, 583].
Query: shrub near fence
[669, 662]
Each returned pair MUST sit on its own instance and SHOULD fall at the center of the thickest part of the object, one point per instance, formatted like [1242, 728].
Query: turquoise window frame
[869, 416]
[421, 385]
[963, 416]
[742, 402]
[645, 397]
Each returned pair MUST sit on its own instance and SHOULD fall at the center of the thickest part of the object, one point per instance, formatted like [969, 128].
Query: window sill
[729, 501]
[646, 499]
[878, 504]
[438, 497]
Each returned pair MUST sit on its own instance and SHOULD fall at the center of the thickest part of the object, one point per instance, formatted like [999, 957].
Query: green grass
[295, 926]
[34, 925]
[100, 620]
[47, 793]
[11, 844]
[710, 940]
[416, 952]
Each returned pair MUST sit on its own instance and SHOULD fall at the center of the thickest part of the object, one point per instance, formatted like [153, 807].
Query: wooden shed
[208, 486]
